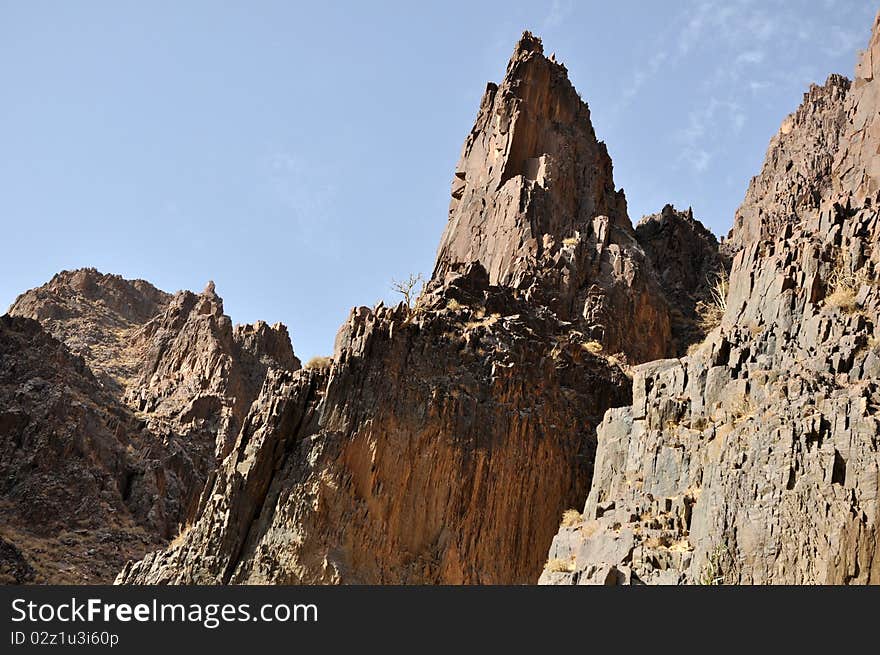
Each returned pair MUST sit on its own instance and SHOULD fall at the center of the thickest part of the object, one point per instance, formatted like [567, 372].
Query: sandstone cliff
[755, 459]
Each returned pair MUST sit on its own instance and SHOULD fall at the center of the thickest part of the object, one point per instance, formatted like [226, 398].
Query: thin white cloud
[750, 57]
[696, 139]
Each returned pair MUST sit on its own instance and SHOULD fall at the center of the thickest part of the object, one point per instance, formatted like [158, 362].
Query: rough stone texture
[857, 161]
[199, 375]
[755, 459]
[533, 200]
[687, 260]
[797, 168]
[443, 441]
[440, 447]
[172, 383]
[95, 315]
[78, 494]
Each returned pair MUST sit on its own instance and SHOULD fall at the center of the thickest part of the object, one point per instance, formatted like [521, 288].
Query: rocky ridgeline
[688, 262]
[444, 440]
[755, 458]
[111, 426]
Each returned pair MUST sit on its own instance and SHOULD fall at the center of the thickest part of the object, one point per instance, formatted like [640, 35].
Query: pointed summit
[534, 201]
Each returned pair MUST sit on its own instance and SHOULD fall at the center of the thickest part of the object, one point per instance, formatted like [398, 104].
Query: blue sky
[300, 154]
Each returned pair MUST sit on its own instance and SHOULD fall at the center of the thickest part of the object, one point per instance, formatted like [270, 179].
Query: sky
[300, 154]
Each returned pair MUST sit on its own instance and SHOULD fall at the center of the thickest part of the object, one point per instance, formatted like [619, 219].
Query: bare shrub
[407, 287]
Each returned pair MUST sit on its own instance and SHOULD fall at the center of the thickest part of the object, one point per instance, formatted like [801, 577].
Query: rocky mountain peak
[95, 315]
[797, 168]
[534, 202]
[687, 260]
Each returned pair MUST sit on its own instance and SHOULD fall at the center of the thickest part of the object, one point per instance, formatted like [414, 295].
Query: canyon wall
[755, 459]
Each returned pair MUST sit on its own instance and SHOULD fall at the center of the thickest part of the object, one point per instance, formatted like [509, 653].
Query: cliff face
[77, 494]
[755, 459]
[688, 263]
[797, 169]
[442, 442]
[437, 441]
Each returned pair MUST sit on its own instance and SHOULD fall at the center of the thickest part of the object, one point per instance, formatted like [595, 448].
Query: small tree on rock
[407, 287]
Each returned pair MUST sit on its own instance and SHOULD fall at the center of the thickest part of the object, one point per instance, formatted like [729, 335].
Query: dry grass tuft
[557, 565]
[592, 347]
[571, 517]
[319, 363]
[710, 313]
[844, 283]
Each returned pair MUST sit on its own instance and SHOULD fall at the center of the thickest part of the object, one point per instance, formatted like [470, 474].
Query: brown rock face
[199, 376]
[78, 495]
[438, 441]
[533, 200]
[95, 315]
[174, 381]
[755, 459]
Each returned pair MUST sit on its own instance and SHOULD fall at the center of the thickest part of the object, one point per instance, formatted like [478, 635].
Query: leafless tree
[407, 287]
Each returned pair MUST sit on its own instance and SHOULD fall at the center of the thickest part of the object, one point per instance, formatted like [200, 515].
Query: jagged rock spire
[534, 202]
[531, 171]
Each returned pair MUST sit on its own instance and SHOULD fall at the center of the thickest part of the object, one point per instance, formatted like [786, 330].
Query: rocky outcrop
[96, 316]
[534, 201]
[797, 168]
[857, 158]
[439, 447]
[199, 375]
[755, 459]
[79, 491]
[150, 402]
[688, 262]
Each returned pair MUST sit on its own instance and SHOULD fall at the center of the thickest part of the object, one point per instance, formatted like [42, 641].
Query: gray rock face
[756, 458]
[797, 168]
